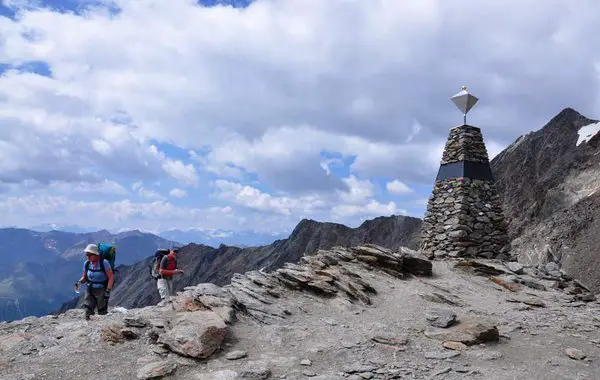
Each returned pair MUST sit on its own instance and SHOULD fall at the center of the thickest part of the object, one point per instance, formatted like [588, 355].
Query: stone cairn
[464, 216]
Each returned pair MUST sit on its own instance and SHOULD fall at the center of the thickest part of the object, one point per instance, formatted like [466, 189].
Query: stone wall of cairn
[465, 143]
[464, 216]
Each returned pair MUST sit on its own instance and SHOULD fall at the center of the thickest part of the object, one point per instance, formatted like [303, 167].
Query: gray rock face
[440, 318]
[327, 274]
[552, 267]
[515, 267]
[552, 205]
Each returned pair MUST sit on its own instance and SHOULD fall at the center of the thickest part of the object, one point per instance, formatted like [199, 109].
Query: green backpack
[107, 252]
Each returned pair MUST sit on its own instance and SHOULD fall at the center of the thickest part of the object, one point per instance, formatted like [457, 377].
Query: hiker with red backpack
[98, 275]
[164, 267]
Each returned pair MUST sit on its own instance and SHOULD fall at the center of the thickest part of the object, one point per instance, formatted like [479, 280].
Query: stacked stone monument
[464, 215]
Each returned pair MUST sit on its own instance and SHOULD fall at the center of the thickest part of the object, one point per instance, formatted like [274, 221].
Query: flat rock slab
[515, 267]
[469, 333]
[456, 346]
[394, 341]
[532, 301]
[135, 321]
[254, 373]
[441, 355]
[235, 355]
[360, 368]
[195, 334]
[488, 355]
[440, 318]
[575, 354]
[156, 369]
[218, 375]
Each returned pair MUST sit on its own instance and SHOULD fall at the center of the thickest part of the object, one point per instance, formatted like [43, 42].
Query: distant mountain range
[47, 227]
[215, 238]
[39, 268]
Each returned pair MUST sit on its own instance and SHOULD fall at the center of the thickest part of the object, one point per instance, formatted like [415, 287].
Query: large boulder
[207, 296]
[469, 332]
[197, 334]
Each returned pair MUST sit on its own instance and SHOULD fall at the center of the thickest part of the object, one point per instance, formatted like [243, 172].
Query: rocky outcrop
[330, 273]
[356, 313]
[195, 323]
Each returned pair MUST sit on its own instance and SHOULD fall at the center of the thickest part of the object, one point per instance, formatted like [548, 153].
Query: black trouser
[94, 298]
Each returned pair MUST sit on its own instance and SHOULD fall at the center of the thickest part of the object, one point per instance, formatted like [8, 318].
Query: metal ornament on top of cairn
[464, 215]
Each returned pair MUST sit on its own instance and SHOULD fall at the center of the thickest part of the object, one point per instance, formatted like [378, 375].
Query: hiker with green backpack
[98, 275]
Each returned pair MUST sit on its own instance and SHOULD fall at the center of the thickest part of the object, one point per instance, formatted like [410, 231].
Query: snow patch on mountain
[587, 132]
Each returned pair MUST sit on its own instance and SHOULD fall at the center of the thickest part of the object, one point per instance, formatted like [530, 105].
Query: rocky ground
[358, 313]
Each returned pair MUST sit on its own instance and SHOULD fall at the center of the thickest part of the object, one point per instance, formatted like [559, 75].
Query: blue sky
[240, 115]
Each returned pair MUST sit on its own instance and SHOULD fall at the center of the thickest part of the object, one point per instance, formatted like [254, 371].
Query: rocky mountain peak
[569, 117]
[543, 178]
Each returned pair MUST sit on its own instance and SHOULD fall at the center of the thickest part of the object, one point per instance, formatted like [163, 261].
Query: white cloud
[101, 147]
[178, 193]
[371, 209]
[289, 158]
[105, 187]
[255, 199]
[358, 192]
[398, 187]
[493, 148]
[264, 93]
[178, 170]
[149, 193]
[357, 201]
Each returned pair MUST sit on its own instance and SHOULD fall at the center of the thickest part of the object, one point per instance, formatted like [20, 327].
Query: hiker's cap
[91, 248]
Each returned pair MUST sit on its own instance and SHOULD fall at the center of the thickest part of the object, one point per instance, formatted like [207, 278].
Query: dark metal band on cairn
[464, 214]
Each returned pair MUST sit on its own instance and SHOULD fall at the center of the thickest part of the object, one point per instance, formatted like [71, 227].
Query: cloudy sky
[250, 115]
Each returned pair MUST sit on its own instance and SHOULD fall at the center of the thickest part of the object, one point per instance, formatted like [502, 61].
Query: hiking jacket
[167, 267]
